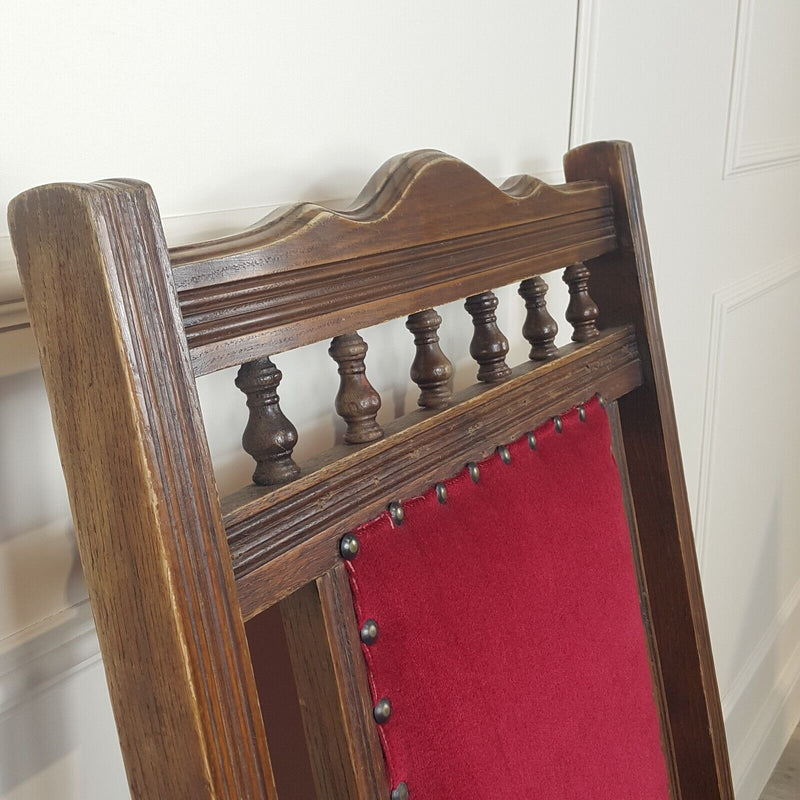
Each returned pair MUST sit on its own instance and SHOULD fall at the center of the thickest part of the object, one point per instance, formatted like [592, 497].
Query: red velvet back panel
[511, 644]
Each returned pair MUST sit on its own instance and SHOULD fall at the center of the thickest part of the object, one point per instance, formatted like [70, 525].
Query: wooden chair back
[125, 325]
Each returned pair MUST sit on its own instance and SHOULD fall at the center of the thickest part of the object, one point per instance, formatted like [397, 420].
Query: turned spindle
[357, 403]
[582, 311]
[269, 437]
[540, 328]
[488, 346]
[431, 369]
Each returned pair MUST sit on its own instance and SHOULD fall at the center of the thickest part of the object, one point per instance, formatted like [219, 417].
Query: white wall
[231, 108]
[708, 94]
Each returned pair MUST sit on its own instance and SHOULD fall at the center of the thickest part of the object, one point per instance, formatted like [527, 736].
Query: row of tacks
[348, 548]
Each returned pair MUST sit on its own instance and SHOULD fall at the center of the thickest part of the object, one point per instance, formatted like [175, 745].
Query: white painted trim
[760, 652]
[724, 302]
[741, 158]
[756, 754]
[13, 315]
[44, 654]
[12, 306]
[753, 758]
[584, 69]
[747, 758]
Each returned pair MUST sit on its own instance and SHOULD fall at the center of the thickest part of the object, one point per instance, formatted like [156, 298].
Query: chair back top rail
[427, 229]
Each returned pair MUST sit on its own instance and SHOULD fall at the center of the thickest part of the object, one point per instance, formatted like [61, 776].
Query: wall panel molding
[37, 658]
[742, 157]
[725, 302]
[733, 696]
[585, 66]
[753, 760]
[762, 701]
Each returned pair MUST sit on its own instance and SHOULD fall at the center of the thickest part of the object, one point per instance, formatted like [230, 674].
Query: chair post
[332, 684]
[622, 285]
[100, 292]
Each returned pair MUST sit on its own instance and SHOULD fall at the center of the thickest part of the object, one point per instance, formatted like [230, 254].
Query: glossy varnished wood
[357, 402]
[582, 311]
[307, 273]
[269, 436]
[431, 369]
[622, 286]
[540, 328]
[489, 346]
[283, 537]
[99, 289]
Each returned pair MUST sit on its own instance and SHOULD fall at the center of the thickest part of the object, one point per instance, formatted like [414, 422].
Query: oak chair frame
[125, 325]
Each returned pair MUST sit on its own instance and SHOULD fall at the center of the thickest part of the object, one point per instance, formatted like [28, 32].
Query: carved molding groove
[17, 347]
[42, 655]
[725, 302]
[741, 156]
[250, 295]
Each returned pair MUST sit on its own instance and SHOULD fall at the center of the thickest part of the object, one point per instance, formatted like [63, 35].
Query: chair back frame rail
[125, 325]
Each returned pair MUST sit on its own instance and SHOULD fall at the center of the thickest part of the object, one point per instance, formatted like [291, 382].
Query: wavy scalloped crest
[426, 195]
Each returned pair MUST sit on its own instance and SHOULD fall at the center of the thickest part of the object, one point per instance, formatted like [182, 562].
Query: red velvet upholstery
[510, 642]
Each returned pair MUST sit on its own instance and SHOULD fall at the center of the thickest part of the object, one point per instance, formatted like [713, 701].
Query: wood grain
[96, 274]
[124, 326]
[331, 678]
[307, 273]
[622, 286]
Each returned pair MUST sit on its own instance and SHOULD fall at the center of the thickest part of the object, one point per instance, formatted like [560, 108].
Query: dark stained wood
[431, 369]
[269, 437]
[308, 273]
[331, 679]
[582, 311]
[618, 449]
[357, 402]
[489, 347]
[99, 289]
[622, 285]
[283, 537]
[123, 333]
[540, 328]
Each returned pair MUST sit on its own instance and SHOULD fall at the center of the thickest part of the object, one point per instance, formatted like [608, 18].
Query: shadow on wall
[37, 723]
[46, 629]
[761, 703]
